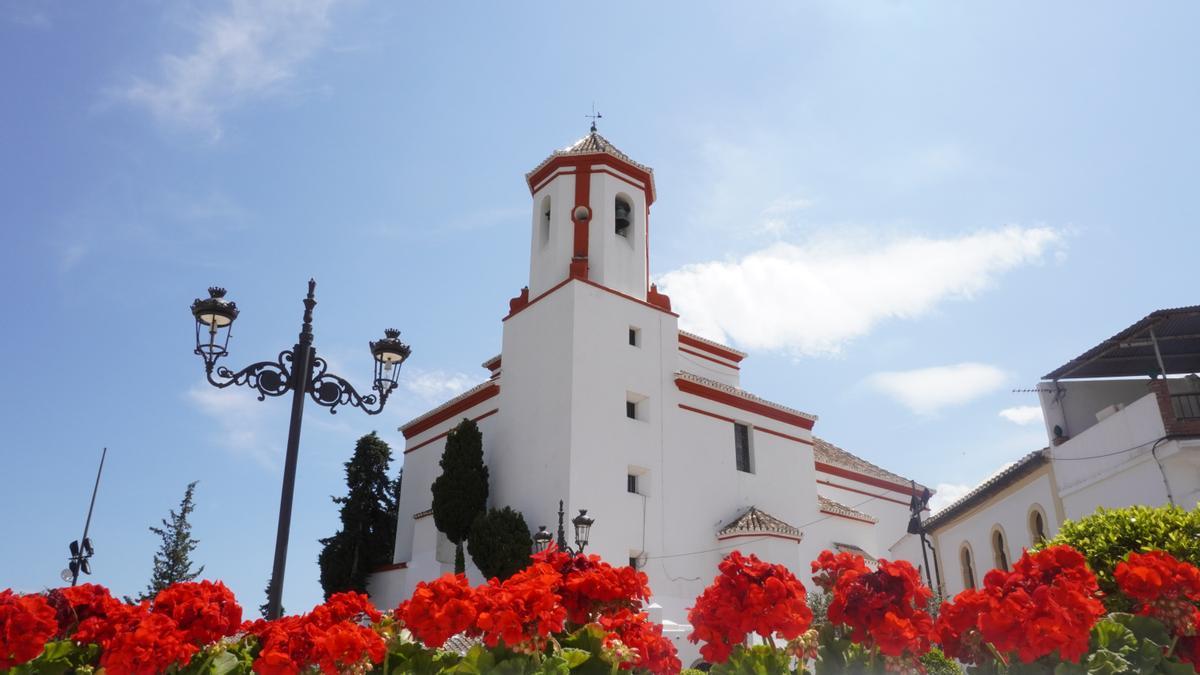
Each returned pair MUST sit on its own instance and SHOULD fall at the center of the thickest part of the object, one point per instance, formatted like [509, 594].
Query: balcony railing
[1186, 406]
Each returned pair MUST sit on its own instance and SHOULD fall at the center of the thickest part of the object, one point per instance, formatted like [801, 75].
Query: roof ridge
[433, 411]
[742, 393]
[591, 144]
[820, 444]
[755, 520]
[948, 510]
[839, 507]
[713, 343]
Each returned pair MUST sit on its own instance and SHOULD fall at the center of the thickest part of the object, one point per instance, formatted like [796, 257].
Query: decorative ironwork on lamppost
[82, 549]
[301, 372]
[583, 528]
[919, 503]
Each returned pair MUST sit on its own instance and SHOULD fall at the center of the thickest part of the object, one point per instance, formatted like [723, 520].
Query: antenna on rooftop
[594, 116]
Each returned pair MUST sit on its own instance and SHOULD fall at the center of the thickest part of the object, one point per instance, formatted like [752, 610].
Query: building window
[741, 447]
[544, 230]
[1037, 526]
[968, 567]
[635, 560]
[631, 483]
[631, 410]
[635, 408]
[999, 554]
[635, 336]
[623, 216]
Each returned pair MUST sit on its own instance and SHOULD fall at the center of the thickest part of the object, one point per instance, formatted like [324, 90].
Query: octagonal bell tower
[591, 212]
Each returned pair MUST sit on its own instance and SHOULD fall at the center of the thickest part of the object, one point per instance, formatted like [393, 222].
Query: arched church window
[545, 220]
[999, 553]
[1037, 526]
[968, 566]
[624, 216]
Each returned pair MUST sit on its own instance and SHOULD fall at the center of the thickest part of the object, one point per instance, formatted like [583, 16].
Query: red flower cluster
[884, 609]
[635, 631]
[748, 596]
[525, 610]
[82, 612]
[830, 566]
[144, 643]
[1046, 604]
[26, 623]
[332, 636]
[592, 587]
[1166, 588]
[203, 611]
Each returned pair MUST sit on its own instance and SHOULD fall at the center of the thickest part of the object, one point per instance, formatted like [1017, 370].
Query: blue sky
[903, 210]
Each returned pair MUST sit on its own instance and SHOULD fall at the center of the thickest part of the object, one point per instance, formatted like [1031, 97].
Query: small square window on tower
[635, 336]
[631, 483]
[635, 406]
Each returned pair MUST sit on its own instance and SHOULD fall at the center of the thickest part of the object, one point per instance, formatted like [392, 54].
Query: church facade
[599, 399]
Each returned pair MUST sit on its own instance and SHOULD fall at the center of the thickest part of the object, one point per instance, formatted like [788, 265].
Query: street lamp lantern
[214, 315]
[583, 527]
[541, 540]
[300, 372]
[390, 353]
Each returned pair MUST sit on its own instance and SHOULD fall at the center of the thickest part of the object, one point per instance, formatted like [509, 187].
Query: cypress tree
[367, 535]
[460, 493]
[500, 543]
[173, 563]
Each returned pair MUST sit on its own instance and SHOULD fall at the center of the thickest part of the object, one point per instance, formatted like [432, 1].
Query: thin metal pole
[925, 557]
[302, 364]
[88, 523]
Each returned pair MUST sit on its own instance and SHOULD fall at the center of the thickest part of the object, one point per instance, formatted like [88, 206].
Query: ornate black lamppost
[583, 528]
[300, 371]
[916, 505]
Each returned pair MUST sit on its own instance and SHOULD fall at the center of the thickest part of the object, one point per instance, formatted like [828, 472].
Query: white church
[597, 398]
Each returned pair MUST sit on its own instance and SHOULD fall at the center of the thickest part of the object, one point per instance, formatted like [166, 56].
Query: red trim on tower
[711, 349]
[589, 282]
[578, 161]
[393, 566]
[731, 420]
[709, 358]
[445, 433]
[758, 535]
[723, 397]
[440, 416]
[583, 193]
[865, 479]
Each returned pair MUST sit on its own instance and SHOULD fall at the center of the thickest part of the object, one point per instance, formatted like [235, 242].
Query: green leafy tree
[500, 543]
[460, 493]
[263, 608]
[368, 520]
[1108, 535]
[173, 562]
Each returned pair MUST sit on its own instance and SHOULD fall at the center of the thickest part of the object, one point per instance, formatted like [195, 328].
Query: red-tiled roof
[829, 506]
[997, 481]
[754, 521]
[828, 453]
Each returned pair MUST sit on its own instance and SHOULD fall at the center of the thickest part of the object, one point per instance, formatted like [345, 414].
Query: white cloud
[1022, 414]
[946, 494]
[811, 299]
[437, 386]
[240, 421]
[925, 391]
[248, 49]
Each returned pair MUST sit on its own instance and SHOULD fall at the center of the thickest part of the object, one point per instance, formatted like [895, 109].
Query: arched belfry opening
[624, 216]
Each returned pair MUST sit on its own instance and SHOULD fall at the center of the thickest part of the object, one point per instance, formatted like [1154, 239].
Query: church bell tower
[591, 207]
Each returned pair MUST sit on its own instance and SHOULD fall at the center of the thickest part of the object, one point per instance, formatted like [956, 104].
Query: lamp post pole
[301, 372]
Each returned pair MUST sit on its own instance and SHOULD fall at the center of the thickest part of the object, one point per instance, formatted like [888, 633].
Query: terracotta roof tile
[996, 481]
[754, 521]
[829, 506]
[828, 453]
[592, 144]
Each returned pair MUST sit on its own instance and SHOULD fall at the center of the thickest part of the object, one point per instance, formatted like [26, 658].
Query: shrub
[937, 663]
[1107, 536]
[499, 543]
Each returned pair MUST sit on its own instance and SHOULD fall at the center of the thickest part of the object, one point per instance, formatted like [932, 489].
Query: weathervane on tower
[594, 116]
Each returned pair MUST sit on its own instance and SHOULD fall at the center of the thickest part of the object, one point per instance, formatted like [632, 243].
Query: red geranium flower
[439, 609]
[1047, 604]
[884, 609]
[1165, 587]
[145, 643]
[748, 596]
[655, 654]
[523, 610]
[82, 612]
[204, 611]
[830, 566]
[332, 636]
[592, 587]
[26, 623]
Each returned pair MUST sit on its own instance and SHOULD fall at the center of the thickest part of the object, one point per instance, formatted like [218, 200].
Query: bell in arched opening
[624, 217]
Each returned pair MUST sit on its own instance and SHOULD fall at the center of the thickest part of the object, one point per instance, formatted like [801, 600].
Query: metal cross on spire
[594, 116]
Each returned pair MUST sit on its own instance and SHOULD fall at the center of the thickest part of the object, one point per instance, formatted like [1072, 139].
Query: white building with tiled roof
[599, 399]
